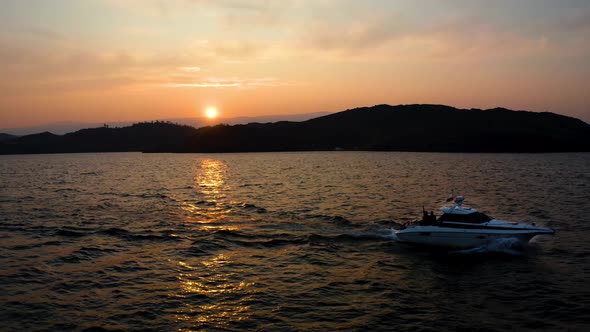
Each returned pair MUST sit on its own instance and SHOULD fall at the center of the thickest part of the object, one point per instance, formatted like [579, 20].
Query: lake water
[286, 241]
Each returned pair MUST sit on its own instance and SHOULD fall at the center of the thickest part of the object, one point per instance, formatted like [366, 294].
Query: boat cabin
[462, 215]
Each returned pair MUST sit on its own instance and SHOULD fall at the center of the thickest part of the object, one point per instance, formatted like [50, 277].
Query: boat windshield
[472, 218]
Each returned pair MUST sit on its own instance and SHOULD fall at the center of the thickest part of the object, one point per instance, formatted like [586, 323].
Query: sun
[211, 112]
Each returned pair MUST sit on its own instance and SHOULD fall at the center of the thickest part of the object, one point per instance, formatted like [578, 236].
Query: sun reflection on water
[211, 176]
[210, 182]
[214, 292]
[215, 297]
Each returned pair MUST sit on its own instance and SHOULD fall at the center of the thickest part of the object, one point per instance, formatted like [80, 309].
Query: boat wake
[511, 246]
[393, 236]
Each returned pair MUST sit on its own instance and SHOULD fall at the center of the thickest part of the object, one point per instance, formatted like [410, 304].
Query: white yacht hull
[462, 238]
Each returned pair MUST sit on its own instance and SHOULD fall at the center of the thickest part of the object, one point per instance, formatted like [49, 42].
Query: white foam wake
[511, 246]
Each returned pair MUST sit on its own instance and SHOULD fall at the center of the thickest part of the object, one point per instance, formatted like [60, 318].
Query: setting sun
[211, 113]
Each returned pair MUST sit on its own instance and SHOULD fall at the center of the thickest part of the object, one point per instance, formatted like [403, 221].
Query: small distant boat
[462, 228]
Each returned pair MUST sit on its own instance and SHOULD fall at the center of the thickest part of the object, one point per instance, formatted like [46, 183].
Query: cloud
[204, 85]
[461, 37]
[476, 38]
[43, 70]
[237, 49]
[38, 63]
[363, 30]
[236, 15]
[51, 65]
[44, 33]
[228, 83]
[246, 5]
[192, 69]
[53, 87]
[327, 30]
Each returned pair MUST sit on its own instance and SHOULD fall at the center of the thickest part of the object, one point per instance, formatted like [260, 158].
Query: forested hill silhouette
[378, 128]
[6, 137]
[143, 136]
[403, 128]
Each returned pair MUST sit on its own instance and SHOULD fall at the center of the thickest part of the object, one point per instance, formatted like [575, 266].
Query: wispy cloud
[53, 87]
[229, 83]
[204, 85]
[44, 33]
[192, 69]
[464, 38]
[247, 5]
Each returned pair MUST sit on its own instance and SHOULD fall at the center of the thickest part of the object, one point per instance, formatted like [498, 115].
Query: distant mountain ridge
[404, 128]
[65, 127]
[417, 127]
[6, 137]
[143, 136]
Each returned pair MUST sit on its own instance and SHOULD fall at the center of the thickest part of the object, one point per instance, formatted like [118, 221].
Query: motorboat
[460, 227]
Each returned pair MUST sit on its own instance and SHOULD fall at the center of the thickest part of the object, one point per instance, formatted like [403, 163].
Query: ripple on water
[285, 241]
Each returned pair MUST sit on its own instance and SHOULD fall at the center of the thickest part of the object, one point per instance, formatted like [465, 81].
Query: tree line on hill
[436, 128]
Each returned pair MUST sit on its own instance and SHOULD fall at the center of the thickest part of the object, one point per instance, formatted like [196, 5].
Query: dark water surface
[286, 241]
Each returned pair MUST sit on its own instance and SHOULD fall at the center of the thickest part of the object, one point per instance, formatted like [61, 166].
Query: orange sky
[132, 60]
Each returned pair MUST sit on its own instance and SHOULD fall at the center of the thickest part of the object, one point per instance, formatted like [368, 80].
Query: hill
[379, 128]
[404, 128]
[138, 137]
[65, 127]
[6, 137]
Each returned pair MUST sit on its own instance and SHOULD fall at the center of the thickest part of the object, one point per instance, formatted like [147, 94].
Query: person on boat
[428, 219]
[424, 217]
[432, 218]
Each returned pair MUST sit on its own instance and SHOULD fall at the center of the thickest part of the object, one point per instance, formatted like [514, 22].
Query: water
[286, 241]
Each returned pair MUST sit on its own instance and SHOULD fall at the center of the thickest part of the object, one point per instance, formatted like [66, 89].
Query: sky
[135, 60]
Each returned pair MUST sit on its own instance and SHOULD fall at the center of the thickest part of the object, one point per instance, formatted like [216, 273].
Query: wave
[31, 274]
[127, 235]
[368, 236]
[67, 189]
[248, 240]
[252, 207]
[100, 329]
[83, 254]
[69, 233]
[36, 245]
[204, 247]
[148, 195]
[510, 246]
[339, 220]
[224, 233]
[221, 239]
[79, 232]
[90, 173]
[206, 203]
[272, 243]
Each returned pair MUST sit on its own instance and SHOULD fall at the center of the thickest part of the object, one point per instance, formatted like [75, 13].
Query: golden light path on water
[207, 278]
[210, 181]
